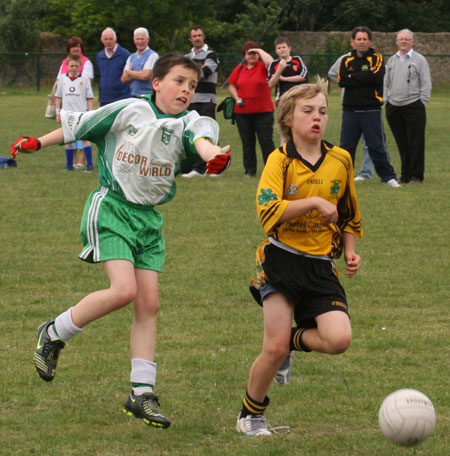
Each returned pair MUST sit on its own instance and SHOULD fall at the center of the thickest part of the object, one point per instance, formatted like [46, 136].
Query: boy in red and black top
[287, 71]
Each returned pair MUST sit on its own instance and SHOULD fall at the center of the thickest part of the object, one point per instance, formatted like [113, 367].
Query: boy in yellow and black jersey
[292, 178]
[307, 206]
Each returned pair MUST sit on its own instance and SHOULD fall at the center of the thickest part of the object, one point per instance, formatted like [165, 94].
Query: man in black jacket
[362, 73]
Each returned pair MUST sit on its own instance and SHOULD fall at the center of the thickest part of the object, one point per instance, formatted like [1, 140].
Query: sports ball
[406, 417]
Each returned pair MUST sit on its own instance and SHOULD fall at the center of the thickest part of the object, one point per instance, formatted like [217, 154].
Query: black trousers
[407, 124]
[252, 126]
[204, 109]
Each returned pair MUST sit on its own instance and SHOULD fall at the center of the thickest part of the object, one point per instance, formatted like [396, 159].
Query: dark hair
[249, 45]
[362, 28]
[74, 41]
[165, 63]
[282, 40]
[196, 27]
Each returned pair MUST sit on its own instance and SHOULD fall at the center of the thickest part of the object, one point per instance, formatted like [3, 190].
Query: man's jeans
[369, 124]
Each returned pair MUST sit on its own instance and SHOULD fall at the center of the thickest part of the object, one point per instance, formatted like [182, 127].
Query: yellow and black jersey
[287, 177]
[362, 77]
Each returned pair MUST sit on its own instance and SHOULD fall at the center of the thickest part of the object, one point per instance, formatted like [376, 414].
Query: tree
[18, 31]
[168, 21]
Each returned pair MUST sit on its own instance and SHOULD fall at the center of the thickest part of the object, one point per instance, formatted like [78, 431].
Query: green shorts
[115, 229]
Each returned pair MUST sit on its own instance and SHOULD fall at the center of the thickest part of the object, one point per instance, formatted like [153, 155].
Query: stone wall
[435, 46]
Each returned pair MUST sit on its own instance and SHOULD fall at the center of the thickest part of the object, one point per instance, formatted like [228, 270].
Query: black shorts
[310, 284]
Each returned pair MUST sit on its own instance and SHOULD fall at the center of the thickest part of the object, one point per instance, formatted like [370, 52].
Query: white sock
[140, 390]
[143, 375]
[65, 327]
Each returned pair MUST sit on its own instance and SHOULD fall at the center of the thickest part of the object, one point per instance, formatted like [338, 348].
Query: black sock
[296, 340]
[252, 407]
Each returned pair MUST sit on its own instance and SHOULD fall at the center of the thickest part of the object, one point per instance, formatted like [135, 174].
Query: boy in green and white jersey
[141, 144]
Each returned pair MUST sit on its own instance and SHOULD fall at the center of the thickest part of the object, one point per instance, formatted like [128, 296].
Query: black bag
[227, 106]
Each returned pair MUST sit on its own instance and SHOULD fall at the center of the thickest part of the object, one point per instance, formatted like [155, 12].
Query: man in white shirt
[139, 67]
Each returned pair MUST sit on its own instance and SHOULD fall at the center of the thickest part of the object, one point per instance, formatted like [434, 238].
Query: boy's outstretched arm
[217, 158]
[28, 144]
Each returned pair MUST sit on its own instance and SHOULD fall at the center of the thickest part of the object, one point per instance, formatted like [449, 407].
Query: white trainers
[252, 425]
[361, 179]
[283, 374]
[255, 425]
[392, 183]
[192, 174]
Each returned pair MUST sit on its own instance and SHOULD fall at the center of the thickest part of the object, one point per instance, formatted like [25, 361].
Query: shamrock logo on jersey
[334, 190]
[266, 196]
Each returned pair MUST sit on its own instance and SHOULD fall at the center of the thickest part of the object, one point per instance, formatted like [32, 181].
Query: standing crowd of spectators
[403, 85]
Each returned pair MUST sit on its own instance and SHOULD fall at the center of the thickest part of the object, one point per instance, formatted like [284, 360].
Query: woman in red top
[254, 106]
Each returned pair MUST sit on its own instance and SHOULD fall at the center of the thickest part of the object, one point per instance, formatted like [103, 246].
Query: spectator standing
[75, 46]
[287, 71]
[74, 93]
[407, 90]
[367, 170]
[205, 99]
[254, 106]
[138, 70]
[110, 62]
[361, 74]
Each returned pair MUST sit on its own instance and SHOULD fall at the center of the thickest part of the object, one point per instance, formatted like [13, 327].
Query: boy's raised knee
[341, 344]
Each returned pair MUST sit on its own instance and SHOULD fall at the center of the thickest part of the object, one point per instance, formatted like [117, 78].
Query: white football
[406, 417]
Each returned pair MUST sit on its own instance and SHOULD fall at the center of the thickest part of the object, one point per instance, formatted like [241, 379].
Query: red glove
[26, 144]
[220, 162]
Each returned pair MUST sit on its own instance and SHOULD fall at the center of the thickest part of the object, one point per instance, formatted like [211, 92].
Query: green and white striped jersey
[140, 149]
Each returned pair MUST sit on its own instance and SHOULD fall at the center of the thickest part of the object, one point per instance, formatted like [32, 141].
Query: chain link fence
[39, 69]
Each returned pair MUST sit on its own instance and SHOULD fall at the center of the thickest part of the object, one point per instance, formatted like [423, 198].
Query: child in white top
[74, 93]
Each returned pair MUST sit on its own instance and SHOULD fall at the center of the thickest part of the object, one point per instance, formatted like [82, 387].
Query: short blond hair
[288, 100]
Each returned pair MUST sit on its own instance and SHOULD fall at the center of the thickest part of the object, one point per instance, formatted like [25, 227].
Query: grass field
[210, 330]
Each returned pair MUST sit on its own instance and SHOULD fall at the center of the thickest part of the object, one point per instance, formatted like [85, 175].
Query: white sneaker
[192, 174]
[361, 179]
[392, 183]
[283, 374]
[215, 175]
[252, 425]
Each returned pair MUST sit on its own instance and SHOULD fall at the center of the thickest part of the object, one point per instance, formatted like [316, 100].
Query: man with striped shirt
[205, 99]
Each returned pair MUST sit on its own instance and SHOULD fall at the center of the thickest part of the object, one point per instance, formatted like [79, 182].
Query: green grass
[209, 328]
